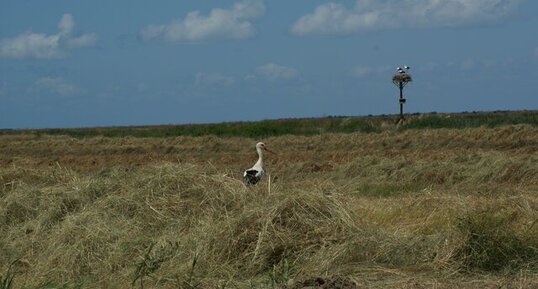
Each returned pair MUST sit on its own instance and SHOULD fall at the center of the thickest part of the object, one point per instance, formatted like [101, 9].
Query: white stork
[255, 173]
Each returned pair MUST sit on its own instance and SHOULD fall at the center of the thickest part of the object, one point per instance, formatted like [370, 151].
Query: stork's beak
[265, 148]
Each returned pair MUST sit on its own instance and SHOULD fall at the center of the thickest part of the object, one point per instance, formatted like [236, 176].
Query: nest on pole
[401, 78]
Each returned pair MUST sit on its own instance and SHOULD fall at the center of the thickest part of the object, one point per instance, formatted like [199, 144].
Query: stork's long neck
[260, 157]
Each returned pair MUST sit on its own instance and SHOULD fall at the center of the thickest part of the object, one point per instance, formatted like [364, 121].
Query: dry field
[428, 208]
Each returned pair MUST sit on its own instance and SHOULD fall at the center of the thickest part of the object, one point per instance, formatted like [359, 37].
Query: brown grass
[413, 209]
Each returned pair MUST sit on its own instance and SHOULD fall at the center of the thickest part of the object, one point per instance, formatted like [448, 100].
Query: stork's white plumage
[256, 172]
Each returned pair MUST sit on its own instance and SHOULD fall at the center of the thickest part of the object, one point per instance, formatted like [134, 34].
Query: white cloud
[56, 85]
[333, 18]
[66, 24]
[364, 71]
[142, 87]
[249, 77]
[85, 40]
[213, 79]
[232, 23]
[428, 67]
[467, 64]
[43, 46]
[273, 71]
[31, 45]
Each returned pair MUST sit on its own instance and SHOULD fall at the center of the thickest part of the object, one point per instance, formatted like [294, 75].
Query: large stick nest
[401, 77]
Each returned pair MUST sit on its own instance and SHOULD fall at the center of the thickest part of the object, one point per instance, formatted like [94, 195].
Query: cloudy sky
[71, 63]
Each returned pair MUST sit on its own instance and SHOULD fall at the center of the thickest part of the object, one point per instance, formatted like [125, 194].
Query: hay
[385, 210]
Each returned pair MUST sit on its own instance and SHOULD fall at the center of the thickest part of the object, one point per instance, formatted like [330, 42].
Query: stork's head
[262, 147]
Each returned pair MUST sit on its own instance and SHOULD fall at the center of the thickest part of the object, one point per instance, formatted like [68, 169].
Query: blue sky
[70, 63]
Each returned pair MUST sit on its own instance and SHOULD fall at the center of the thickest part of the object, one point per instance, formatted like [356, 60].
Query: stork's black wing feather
[251, 173]
[250, 177]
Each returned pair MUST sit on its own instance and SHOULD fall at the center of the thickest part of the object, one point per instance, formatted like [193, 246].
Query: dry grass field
[414, 208]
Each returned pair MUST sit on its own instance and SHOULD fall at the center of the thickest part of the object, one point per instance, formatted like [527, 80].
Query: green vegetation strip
[304, 126]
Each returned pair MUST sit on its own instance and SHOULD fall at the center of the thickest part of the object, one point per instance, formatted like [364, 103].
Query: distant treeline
[303, 126]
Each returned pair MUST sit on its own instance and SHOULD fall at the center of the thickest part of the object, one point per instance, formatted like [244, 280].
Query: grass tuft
[491, 243]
